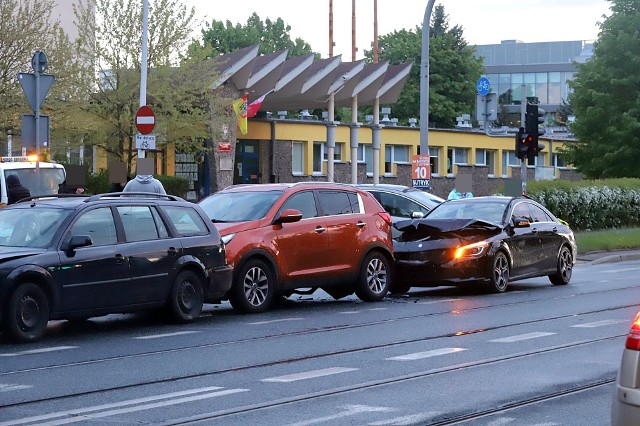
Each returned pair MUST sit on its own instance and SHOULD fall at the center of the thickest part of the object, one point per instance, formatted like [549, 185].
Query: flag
[240, 107]
[254, 106]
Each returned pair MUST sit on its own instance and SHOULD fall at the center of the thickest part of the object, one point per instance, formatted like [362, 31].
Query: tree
[26, 26]
[452, 67]
[606, 100]
[178, 86]
[272, 36]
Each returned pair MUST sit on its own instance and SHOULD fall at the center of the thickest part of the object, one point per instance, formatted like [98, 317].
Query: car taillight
[633, 338]
[386, 217]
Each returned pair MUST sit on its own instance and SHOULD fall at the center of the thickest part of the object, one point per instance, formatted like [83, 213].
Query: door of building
[247, 168]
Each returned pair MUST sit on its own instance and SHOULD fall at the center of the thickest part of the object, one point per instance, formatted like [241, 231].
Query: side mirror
[77, 241]
[521, 222]
[289, 216]
[417, 215]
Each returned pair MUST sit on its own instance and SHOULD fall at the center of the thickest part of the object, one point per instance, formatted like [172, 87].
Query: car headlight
[471, 250]
[227, 238]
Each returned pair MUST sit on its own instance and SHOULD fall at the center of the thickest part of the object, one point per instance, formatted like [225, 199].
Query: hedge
[99, 183]
[591, 204]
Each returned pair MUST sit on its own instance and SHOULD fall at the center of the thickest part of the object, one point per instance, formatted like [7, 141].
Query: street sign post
[420, 171]
[29, 140]
[145, 120]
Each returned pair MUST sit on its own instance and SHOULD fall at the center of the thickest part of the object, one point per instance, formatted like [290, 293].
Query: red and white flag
[253, 107]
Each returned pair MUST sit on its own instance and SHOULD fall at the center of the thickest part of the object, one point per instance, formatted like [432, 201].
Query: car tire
[499, 279]
[185, 303]
[253, 288]
[373, 282]
[564, 268]
[26, 313]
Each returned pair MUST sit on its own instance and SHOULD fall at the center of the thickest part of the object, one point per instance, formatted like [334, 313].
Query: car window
[538, 214]
[521, 210]
[186, 221]
[356, 202]
[98, 224]
[397, 205]
[30, 228]
[239, 206]
[303, 201]
[487, 211]
[334, 202]
[138, 223]
[162, 229]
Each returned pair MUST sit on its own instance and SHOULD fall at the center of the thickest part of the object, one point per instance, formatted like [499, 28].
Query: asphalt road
[537, 355]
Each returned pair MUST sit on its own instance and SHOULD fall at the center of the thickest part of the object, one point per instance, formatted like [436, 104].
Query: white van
[51, 175]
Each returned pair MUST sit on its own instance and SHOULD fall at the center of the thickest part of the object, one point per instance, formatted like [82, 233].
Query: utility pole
[424, 80]
[143, 61]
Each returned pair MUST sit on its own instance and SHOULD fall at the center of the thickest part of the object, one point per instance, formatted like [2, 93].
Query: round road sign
[145, 120]
[483, 86]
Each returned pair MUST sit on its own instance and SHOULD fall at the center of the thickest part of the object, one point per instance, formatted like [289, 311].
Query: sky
[484, 22]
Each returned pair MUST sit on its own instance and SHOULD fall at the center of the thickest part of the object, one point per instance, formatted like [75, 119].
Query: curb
[615, 258]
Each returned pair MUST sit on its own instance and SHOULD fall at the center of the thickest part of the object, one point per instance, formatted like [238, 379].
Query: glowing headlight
[471, 250]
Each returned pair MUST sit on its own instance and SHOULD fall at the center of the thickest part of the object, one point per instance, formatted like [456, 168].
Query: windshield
[489, 211]
[29, 227]
[239, 206]
[47, 184]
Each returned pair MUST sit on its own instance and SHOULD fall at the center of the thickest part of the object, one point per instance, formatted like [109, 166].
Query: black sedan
[486, 240]
[73, 257]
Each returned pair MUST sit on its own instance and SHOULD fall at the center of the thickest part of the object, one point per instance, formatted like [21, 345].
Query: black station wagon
[74, 257]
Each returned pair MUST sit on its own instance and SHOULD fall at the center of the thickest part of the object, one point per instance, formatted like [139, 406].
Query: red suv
[287, 236]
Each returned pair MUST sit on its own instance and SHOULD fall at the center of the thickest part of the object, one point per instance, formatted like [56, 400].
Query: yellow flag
[240, 107]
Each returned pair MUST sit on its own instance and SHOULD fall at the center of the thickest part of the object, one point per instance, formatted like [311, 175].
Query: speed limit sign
[420, 171]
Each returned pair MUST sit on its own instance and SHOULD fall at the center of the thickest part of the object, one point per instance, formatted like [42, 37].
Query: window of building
[486, 157]
[398, 154]
[555, 92]
[508, 159]
[365, 155]
[558, 161]
[541, 87]
[320, 156]
[456, 156]
[433, 160]
[297, 158]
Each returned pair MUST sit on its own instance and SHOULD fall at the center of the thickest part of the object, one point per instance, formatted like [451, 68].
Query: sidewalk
[613, 256]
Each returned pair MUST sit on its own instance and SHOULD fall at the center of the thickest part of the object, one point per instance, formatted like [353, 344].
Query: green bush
[99, 184]
[590, 205]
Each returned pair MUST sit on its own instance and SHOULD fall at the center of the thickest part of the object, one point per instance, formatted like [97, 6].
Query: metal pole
[424, 80]
[523, 162]
[9, 143]
[375, 140]
[143, 61]
[331, 138]
[353, 127]
[36, 71]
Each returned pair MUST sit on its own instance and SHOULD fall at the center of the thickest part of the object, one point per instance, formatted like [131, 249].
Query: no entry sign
[145, 120]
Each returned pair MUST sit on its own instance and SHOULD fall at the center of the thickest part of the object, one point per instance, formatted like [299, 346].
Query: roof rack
[132, 195]
[50, 196]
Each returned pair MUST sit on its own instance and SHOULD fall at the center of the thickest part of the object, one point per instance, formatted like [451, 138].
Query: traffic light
[533, 119]
[522, 144]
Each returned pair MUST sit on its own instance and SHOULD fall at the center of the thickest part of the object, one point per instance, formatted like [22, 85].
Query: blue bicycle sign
[483, 86]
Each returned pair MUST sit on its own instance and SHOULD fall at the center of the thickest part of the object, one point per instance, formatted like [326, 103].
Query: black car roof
[75, 200]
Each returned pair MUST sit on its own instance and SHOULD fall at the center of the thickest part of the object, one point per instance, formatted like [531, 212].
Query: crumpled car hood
[467, 230]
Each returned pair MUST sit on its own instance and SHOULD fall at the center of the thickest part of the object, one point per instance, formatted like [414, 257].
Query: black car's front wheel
[253, 288]
[499, 279]
[26, 313]
[374, 280]
[564, 268]
[186, 297]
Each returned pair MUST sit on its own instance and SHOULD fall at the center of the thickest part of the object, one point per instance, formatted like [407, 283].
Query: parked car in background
[288, 236]
[402, 202]
[491, 240]
[74, 257]
[625, 407]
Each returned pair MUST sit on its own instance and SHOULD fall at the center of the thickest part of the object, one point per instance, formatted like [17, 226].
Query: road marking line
[88, 417]
[158, 336]
[376, 309]
[40, 351]
[350, 410]
[108, 406]
[309, 375]
[349, 312]
[427, 354]
[616, 271]
[520, 337]
[438, 301]
[598, 323]
[406, 420]
[9, 387]
[501, 421]
[274, 321]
